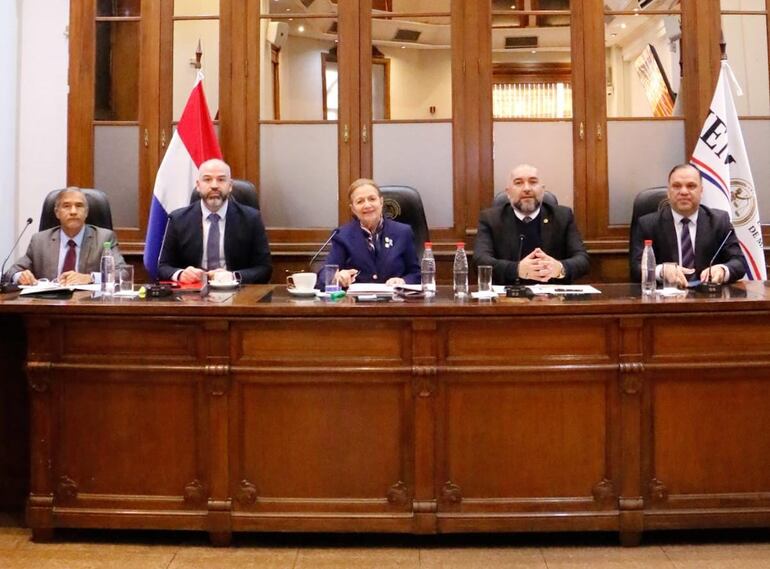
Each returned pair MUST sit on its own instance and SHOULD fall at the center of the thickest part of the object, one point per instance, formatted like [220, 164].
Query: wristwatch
[562, 272]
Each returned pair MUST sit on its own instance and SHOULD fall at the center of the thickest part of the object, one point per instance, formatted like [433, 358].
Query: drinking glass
[331, 283]
[126, 278]
[485, 278]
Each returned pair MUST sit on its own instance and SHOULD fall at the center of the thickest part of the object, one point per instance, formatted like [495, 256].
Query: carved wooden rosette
[424, 382]
[658, 491]
[604, 492]
[451, 493]
[66, 491]
[398, 494]
[194, 494]
[247, 493]
[217, 379]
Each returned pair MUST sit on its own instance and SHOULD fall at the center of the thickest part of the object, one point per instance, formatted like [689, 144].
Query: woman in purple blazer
[372, 248]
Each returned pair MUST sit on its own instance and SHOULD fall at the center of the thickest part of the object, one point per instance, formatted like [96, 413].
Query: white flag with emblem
[720, 155]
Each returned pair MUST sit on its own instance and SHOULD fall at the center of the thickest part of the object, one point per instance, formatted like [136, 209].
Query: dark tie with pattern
[69, 257]
[688, 254]
[212, 245]
[527, 219]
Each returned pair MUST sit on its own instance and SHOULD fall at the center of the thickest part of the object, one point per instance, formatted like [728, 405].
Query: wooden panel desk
[261, 412]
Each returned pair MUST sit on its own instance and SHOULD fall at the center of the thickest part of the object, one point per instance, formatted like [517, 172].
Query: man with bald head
[542, 235]
[215, 234]
[688, 234]
[69, 253]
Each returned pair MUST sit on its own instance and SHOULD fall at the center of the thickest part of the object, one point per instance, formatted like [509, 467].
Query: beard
[214, 201]
[527, 205]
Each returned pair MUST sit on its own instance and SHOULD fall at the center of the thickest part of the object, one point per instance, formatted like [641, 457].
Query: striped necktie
[688, 254]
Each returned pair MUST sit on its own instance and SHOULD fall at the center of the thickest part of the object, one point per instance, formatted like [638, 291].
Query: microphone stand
[518, 290]
[712, 288]
[10, 286]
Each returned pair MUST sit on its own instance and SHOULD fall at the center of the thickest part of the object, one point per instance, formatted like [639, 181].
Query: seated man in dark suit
[689, 234]
[551, 246]
[215, 234]
[69, 253]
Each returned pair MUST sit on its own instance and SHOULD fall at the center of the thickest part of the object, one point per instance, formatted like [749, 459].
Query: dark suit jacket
[246, 247]
[497, 242]
[713, 225]
[42, 256]
[396, 256]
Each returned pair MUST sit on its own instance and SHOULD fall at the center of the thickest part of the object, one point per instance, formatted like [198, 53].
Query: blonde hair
[362, 182]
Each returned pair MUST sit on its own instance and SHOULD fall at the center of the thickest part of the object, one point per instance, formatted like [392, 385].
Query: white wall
[9, 27]
[42, 105]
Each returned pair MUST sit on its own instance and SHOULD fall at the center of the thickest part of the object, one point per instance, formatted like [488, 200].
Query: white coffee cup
[223, 277]
[301, 281]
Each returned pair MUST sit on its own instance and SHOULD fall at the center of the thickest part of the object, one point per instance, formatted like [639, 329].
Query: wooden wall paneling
[216, 339]
[425, 380]
[584, 182]
[40, 354]
[471, 114]
[233, 78]
[351, 17]
[80, 102]
[362, 99]
[252, 103]
[632, 386]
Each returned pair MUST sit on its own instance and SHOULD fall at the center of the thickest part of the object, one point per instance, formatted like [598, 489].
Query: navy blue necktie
[212, 245]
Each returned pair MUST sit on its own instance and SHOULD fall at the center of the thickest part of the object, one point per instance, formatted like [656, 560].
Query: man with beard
[551, 247]
[215, 234]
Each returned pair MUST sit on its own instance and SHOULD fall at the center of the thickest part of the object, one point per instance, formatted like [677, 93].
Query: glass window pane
[642, 5]
[196, 7]
[117, 8]
[643, 69]
[417, 155]
[531, 67]
[188, 34]
[116, 96]
[412, 76]
[298, 175]
[411, 5]
[119, 179]
[756, 133]
[657, 147]
[298, 8]
[299, 69]
[743, 5]
[548, 147]
[746, 39]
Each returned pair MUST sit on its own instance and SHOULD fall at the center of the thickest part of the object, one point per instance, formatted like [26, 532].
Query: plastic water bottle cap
[647, 242]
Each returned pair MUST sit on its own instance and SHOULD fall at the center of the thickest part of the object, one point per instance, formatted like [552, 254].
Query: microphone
[518, 290]
[711, 287]
[11, 287]
[310, 264]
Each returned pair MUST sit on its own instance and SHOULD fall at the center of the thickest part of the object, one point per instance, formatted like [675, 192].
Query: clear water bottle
[460, 272]
[648, 269]
[107, 267]
[428, 270]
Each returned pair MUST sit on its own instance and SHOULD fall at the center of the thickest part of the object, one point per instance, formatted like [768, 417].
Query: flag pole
[722, 46]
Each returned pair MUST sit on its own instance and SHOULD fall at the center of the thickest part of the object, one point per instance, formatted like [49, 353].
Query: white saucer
[302, 292]
[219, 284]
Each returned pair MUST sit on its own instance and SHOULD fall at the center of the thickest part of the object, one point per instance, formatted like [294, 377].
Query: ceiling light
[300, 28]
